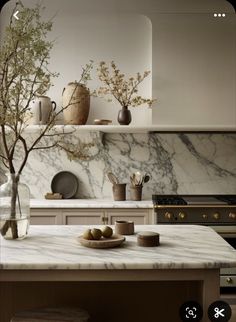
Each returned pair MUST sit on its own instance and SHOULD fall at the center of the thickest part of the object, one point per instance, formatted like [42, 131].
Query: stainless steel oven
[218, 212]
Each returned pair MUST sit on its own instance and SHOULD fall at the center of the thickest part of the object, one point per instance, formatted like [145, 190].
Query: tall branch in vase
[24, 73]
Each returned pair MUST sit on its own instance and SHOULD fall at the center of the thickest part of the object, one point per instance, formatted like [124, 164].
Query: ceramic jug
[41, 108]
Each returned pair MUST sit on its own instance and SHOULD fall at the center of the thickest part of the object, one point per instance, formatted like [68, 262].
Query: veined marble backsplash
[177, 162]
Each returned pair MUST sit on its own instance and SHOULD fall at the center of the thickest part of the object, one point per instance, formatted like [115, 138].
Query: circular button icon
[191, 311]
[219, 311]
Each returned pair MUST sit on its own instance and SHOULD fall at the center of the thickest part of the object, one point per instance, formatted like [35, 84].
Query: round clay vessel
[124, 116]
[77, 99]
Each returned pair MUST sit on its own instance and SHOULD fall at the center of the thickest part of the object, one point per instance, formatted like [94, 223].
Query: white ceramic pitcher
[41, 108]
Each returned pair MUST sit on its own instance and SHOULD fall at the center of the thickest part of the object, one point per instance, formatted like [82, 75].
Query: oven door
[227, 275]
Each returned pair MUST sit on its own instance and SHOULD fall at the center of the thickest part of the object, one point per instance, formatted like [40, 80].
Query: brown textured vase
[124, 116]
[77, 96]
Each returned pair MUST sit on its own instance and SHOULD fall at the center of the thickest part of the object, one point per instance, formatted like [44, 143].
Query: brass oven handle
[168, 215]
[232, 215]
[182, 215]
[229, 280]
[216, 216]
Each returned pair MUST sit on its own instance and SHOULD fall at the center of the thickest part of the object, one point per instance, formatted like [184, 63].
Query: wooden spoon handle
[113, 179]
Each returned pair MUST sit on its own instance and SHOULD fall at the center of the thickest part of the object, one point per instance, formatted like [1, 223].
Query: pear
[107, 232]
[87, 234]
[96, 233]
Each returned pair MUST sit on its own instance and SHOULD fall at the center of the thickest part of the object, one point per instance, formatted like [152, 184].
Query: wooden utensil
[138, 178]
[113, 179]
[132, 179]
[146, 178]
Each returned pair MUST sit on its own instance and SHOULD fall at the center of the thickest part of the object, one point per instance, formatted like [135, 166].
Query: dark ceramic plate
[65, 183]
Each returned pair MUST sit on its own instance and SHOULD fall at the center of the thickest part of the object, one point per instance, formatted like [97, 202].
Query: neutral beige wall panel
[194, 67]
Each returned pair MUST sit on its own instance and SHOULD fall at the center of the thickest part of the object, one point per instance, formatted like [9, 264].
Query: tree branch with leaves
[24, 73]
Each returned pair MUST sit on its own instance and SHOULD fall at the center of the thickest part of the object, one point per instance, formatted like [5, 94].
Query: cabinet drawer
[82, 217]
[228, 280]
[139, 217]
[43, 220]
[45, 217]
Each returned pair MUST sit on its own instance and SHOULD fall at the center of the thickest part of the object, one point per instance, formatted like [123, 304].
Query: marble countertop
[89, 203]
[57, 247]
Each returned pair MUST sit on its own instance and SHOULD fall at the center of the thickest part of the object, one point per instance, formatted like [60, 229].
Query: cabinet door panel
[45, 217]
[43, 220]
[137, 216]
[83, 218]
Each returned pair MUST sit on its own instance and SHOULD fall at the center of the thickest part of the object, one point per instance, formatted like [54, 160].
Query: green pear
[107, 232]
[96, 233]
[87, 234]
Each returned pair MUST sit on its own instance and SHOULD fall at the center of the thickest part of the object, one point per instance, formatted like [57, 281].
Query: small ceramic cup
[124, 227]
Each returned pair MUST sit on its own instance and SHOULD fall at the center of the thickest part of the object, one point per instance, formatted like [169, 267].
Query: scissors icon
[218, 312]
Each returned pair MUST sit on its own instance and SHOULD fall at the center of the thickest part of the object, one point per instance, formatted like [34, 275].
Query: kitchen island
[129, 283]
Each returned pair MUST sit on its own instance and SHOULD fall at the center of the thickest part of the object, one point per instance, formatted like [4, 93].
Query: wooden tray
[102, 122]
[114, 241]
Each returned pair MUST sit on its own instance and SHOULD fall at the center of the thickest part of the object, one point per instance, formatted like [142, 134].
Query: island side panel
[105, 301]
[101, 291]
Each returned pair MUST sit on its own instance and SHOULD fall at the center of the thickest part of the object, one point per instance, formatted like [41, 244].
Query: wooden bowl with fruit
[100, 238]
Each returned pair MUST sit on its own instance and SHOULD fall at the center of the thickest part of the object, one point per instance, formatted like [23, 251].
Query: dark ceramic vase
[124, 116]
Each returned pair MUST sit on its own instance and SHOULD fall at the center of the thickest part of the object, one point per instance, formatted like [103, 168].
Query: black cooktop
[194, 199]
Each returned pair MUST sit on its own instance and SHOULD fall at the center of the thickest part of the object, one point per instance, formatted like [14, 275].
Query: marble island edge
[57, 248]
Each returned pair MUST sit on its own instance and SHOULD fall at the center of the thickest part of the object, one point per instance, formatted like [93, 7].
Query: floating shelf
[134, 129]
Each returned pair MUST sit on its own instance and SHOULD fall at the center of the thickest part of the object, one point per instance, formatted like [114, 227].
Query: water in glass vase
[14, 208]
[14, 228]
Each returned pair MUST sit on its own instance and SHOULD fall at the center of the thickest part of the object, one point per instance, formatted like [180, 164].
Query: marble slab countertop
[89, 203]
[57, 247]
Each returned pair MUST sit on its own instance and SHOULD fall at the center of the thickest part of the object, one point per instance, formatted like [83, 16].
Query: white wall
[195, 69]
[124, 38]
[191, 54]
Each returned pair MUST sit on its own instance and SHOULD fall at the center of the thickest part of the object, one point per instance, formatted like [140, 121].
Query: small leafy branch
[86, 73]
[123, 90]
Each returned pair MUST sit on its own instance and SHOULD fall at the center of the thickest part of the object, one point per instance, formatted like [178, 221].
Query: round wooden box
[148, 239]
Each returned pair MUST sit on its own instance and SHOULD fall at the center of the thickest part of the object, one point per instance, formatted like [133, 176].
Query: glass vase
[14, 208]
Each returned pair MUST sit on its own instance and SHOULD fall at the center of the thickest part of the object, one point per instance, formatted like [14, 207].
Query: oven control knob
[216, 216]
[232, 215]
[168, 215]
[204, 216]
[182, 215]
[229, 280]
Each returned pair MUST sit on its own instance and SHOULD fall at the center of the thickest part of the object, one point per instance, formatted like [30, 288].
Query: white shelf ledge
[135, 129]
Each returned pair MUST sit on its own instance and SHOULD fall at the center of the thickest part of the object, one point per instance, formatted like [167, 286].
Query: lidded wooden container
[148, 239]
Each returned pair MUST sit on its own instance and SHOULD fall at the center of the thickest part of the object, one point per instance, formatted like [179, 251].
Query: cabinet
[82, 217]
[85, 216]
[45, 217]
[139, 217]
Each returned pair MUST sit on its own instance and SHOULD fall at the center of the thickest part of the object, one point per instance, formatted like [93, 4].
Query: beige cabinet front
[83, 217]
[45, 217]
[139, 217]
[80, 216]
